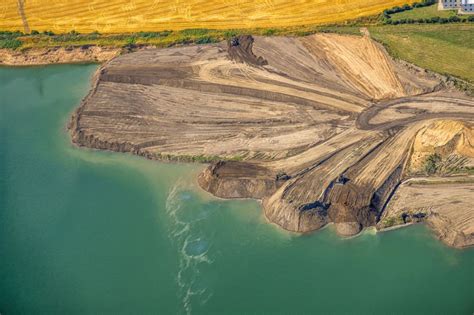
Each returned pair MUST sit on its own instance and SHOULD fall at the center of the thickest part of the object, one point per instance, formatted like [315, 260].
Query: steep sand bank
[55, 55]
[320, 128]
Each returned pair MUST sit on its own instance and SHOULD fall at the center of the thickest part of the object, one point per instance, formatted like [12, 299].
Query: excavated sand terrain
[445, 203]
[320, 128]
[450, 140]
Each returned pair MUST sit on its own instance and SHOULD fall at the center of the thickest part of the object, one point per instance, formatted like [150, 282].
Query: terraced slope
[121, 16]
[320, 128]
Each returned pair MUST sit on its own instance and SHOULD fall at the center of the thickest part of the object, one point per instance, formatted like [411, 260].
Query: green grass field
[444, 48]
[425, 13]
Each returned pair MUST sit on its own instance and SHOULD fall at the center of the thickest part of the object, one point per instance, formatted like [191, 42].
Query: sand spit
[320, 128]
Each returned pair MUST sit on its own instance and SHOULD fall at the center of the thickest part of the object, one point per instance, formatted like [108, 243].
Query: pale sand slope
[303, 119]
[447, 139]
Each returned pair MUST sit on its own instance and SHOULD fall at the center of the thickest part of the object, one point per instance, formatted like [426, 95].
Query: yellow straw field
[121, 16]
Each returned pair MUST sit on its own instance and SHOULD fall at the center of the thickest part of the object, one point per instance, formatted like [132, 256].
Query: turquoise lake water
[88, 232]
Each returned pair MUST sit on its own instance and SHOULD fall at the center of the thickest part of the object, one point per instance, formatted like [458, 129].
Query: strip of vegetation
[196, 158]
[422, 12]
[407, 7]
[10, 40]
[391, 221]
[15, 40]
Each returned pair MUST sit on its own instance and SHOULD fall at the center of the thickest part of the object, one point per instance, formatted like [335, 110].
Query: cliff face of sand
[238, 180]
[44, 56]
[446, 145]
[321, 128]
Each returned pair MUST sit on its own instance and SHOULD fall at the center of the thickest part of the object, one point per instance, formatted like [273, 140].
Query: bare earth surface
[320, 128]
[45, 56]
[446, 203]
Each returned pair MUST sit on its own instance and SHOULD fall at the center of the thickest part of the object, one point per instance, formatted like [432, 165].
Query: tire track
[21, 11]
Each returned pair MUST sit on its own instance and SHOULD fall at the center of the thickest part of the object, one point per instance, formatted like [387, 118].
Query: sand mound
[443, 138]
[361, 64]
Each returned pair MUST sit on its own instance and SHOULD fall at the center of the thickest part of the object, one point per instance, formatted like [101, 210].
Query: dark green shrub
[230, 34]
[131, 40]
[153, 34]
[9, 34]
[454, 18]
[432, 164]
[10, 43]
[195, 32]
[204, 40]
[269, 32]
[397, 9]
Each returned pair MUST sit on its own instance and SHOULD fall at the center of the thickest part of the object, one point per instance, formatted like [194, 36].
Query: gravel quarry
[322, 129]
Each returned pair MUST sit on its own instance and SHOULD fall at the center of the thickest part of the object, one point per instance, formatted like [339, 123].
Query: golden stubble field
[120, 16]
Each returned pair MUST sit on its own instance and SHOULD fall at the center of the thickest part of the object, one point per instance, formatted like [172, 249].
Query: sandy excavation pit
[320, 128]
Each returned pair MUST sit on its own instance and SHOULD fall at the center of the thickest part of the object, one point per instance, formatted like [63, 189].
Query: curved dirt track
[320, 128]
[461, 107]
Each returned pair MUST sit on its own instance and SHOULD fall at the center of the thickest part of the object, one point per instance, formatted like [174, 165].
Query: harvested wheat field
[320, 128]
[123, 16]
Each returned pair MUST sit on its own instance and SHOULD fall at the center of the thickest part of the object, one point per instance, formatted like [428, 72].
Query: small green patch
[392, 221]
[269, 32]
[10, 40]
[230, 33]
[153, 34]
[205, 40]
[469, 170]
[10, 43]
[195, 32]
[431, 165]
